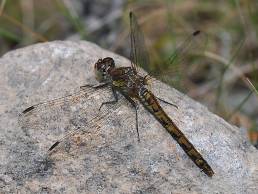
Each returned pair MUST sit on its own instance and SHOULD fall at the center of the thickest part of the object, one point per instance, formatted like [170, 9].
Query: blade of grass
[9, 35]
[73, 19]
[251, 86]
[240, 105]
[224, 70]
[24, 28]
[2, 6]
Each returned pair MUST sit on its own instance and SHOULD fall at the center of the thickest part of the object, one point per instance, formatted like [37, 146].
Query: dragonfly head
[102, 68]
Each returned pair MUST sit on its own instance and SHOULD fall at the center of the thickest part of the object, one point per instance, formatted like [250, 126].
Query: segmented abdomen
[151, 104]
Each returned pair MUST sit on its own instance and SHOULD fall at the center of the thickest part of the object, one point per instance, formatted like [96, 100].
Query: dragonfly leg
[167, 102]
[112, 101]
[135, 105]
[136, 120]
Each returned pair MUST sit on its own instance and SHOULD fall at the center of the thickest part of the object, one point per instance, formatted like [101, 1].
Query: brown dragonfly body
[128, 82]
[132, 86]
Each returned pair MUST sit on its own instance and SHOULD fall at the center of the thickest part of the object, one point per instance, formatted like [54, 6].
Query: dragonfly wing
[139, 54]
[173, 69]
[95, 122]
[180, 60]
[60, 120]
[57, 101]
[58, 113]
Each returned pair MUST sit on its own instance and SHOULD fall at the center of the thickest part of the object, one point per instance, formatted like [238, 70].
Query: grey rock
[104, 155]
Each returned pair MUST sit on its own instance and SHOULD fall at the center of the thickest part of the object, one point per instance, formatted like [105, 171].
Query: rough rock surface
[105, 156]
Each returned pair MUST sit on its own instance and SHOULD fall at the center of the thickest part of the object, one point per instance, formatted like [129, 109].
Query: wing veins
[91, 124]
[57, 101]
[139, 54]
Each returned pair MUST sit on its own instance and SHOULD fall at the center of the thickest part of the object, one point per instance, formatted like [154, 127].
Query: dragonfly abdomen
[151, 104]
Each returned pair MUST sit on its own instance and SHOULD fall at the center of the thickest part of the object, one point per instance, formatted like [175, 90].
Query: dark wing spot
[28, 109]
[53, 146]
[196, 32]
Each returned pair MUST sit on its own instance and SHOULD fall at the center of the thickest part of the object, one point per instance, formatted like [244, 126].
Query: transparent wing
[72, 98]
[66, 115]
[94, 123]
[139, 54]
[174, 69]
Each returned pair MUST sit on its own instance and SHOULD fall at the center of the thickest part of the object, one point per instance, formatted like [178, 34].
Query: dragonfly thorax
[102, 68]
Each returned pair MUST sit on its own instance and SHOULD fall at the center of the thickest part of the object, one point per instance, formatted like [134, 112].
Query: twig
[2, 6]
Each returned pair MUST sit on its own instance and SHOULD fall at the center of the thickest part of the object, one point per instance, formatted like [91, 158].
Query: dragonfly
[134, 87]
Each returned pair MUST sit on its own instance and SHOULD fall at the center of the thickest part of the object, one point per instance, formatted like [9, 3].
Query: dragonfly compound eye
[98, 64]
[109, 62]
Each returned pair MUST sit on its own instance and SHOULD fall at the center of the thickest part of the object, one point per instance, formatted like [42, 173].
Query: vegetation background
[224, 76]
